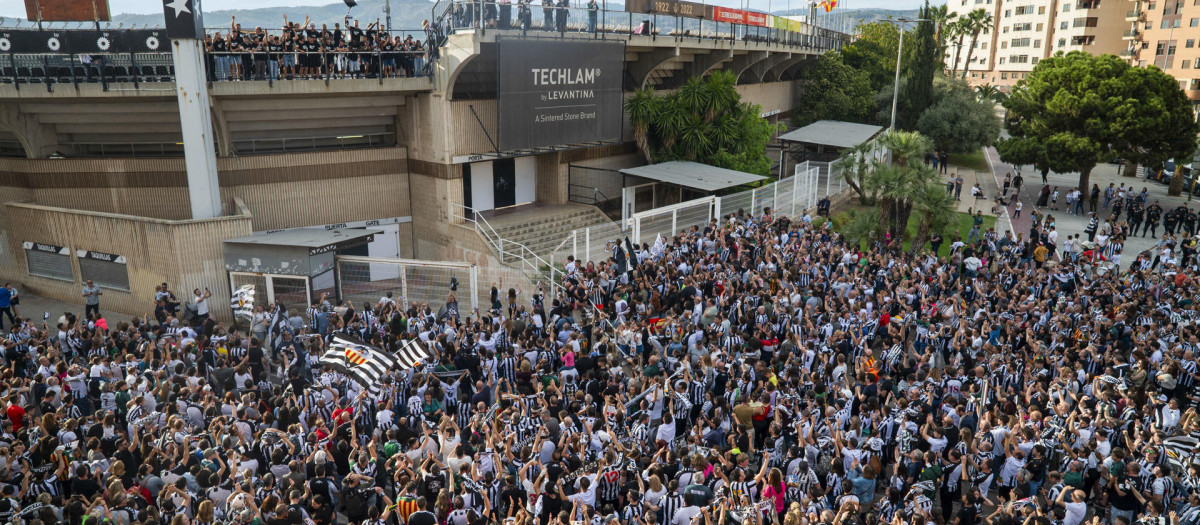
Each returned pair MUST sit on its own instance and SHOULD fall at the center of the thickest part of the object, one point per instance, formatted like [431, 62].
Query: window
[1066, 8]
[1003, 45]
[1001, 60]
[1007, 13]
[1025, 26]
[47, 260]
[974, 75]
[1195, 22]
[105, 269]
[1003, 75]
[1005, 30]
[1020, 42]
[1063, 25]
[1039, 26]
[1163, 24]
[1035, 60]
[1037, 43]
[1062, 42]
[1191, 42]
[1185, 64]
[1042, 10]
[983, 45]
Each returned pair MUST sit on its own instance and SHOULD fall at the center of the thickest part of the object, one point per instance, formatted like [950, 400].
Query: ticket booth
[292, 266]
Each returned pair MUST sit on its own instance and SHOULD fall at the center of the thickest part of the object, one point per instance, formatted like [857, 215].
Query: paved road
[1067, 224]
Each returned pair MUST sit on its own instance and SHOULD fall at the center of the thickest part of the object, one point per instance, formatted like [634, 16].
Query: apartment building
[1026, 31]
[1164, 33]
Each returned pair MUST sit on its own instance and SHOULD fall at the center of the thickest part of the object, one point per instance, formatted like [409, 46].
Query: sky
[16, 8]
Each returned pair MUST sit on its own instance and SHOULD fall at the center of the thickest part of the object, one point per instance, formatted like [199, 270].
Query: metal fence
[367, 279]
[514, 255]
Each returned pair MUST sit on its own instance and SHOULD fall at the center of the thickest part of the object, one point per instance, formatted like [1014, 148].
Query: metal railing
[455, 15]
[533, 265]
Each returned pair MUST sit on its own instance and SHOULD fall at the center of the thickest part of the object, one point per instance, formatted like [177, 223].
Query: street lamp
[899, 53]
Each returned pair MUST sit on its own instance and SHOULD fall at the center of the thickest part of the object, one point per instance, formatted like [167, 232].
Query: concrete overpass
[86, 165]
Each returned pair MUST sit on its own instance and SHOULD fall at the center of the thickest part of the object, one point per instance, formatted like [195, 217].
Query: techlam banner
[559, 92]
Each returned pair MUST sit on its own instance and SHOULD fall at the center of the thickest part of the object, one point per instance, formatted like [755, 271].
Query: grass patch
[973, 161]
[963, 228]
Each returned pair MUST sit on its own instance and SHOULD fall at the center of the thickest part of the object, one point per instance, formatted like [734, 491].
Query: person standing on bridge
[548, 15]
[593, 12]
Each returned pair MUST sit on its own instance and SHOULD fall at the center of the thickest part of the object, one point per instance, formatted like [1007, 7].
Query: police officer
[1153, 215]
[1169, 221]
[1136, 213]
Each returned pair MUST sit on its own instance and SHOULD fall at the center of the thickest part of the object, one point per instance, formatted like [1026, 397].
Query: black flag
[183, 19]
[350, 3]
[631, 253]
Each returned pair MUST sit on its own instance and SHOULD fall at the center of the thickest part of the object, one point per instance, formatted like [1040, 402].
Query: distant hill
[406, 15]
[861, 15]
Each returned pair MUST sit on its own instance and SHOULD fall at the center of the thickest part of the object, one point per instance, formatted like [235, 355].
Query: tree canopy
[917, 92]
[1077, 110]
[874, 52]
[832, 90]
[959, 121]
[704, 121]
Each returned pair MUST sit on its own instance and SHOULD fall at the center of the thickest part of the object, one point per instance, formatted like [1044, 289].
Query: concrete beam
[38, 138]
[759, 70]
[220, 127]
[776, 73]
[700, 65]
[646, 63]
[741, 63]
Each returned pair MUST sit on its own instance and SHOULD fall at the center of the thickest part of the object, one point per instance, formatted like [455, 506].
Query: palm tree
[978, 22]
[907, 147]
[643, 110]
[941, 16]
[1175, 186]
[854, 168]
[956, 30]
[990, 93]
[935, 209]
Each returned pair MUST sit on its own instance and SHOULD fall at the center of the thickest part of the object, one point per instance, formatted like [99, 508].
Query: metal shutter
[107, 270]
[52, 265]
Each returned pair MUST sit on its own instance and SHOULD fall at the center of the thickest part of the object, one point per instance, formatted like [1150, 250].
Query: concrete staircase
[543, 232]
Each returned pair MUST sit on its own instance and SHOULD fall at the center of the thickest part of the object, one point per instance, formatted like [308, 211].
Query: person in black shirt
[422, 516]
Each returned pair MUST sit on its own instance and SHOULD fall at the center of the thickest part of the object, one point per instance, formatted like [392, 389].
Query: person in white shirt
[201, 300]
[1076, 508]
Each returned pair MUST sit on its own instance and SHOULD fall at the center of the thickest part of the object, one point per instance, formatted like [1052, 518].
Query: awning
[833, 133]
[316, 240]
[693, 175]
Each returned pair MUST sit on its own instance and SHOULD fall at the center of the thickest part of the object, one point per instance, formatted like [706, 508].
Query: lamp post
[900, 53]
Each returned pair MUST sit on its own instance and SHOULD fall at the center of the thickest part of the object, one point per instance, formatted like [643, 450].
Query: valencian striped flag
[364, 363]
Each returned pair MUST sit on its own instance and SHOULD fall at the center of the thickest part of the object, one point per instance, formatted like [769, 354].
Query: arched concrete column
[39, 140]
[741, 63]
[700, 65]
[639, 70]
[759, 70]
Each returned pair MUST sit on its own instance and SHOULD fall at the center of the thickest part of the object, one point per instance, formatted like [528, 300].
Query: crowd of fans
[759, 369]
[303, 51]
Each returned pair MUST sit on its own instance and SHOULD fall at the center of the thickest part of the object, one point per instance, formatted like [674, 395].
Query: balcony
[1133, 16]
[1130, 34]
[1128, 53]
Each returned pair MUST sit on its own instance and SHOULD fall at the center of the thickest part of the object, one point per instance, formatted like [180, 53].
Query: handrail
[499, 244]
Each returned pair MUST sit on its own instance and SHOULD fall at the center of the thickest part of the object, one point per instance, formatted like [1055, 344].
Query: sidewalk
[1067, 224]
[35, 307]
